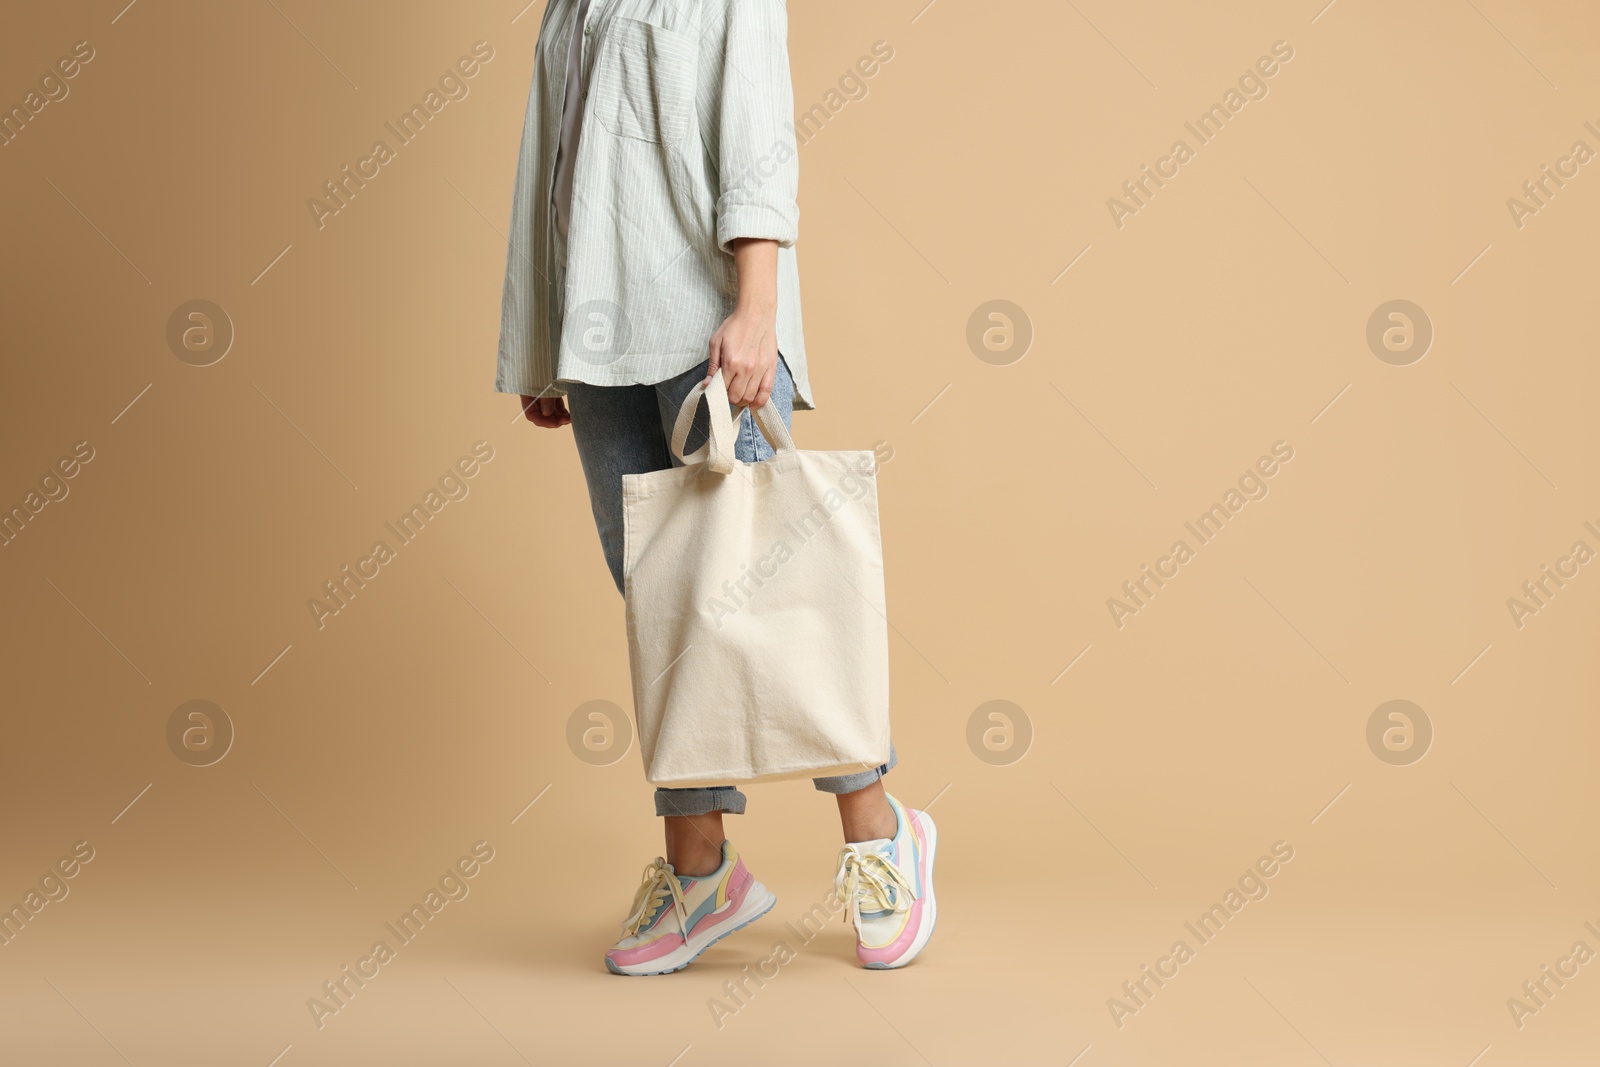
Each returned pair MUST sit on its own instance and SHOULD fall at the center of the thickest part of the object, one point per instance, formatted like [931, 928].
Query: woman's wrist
[756, 261]
[756, 302]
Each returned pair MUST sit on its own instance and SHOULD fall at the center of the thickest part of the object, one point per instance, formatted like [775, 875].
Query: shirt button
[587, 29]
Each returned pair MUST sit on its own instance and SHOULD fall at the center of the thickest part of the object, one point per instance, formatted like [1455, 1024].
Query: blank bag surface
[757, 631]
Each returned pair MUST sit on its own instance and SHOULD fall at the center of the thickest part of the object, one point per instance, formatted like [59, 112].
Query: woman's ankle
[694, 843]
[866, 814]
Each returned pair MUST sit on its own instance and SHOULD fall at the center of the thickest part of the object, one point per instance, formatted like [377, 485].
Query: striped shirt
[687, 143]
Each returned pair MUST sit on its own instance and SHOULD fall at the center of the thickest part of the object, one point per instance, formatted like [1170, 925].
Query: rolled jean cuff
[700, 801]
[849, 783]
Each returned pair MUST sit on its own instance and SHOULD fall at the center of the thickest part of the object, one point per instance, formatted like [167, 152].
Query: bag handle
[771, 426]
[718, 451]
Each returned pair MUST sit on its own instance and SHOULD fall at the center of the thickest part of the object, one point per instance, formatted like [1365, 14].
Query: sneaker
[674, 919]
[888, 885]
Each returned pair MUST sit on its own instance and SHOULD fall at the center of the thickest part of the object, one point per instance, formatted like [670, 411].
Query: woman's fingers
[748, 363]
[714, 362]
[764, 391]
[739, 391]
[549, 412]
[759, 374]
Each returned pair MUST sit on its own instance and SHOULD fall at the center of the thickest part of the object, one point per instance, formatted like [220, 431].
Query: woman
[652, 247]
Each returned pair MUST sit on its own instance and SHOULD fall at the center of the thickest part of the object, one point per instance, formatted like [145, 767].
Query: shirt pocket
[644, 81]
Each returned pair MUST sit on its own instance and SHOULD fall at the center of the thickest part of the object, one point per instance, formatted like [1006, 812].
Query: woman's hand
[745, 349]
[745, 346]
[548, 411]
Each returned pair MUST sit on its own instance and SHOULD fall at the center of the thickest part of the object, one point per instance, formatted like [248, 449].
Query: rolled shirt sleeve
[758, 165]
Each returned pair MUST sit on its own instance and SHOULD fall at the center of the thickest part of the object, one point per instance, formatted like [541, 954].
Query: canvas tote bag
[757, 631]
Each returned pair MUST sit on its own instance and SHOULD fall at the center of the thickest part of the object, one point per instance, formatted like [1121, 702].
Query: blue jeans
[627, 429]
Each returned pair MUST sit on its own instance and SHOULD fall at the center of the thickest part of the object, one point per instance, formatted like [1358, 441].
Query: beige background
[1227, 314]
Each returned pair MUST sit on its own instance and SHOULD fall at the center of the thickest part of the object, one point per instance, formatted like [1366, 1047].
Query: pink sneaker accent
[709, 908]
[888, 885]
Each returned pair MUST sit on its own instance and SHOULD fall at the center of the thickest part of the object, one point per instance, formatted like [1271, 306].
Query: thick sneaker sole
[921, 940]
[757, 903]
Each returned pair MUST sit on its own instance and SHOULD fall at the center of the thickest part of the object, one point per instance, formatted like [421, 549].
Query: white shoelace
[867, 874]
[656, 885]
